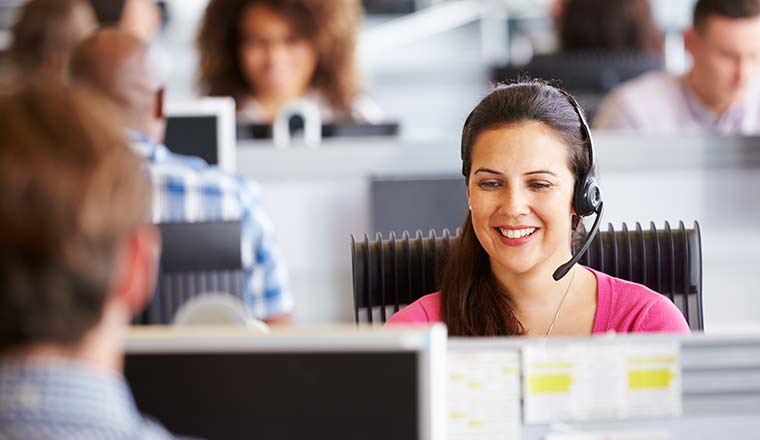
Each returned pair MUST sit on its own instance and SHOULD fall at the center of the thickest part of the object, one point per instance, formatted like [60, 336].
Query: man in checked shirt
[185, 189]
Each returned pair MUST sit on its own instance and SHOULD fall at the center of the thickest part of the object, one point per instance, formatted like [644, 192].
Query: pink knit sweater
[622, 307]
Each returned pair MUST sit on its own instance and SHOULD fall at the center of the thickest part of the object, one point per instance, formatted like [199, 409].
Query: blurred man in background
[45, 34]
[718, 95]
[186, 189]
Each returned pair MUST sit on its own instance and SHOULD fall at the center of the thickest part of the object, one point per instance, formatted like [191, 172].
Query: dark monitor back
[193, 136]
[331, 130]
[273, 396]
[582, 72]
[589, 75]
[409, 204]
[389, 6]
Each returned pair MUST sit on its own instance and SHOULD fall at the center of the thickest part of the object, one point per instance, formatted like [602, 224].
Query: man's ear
[690, 39]
[137, 267]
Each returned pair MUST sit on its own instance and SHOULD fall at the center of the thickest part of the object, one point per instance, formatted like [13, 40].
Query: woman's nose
[515, 203]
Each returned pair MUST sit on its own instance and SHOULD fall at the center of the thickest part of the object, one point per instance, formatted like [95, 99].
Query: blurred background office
[422, 64]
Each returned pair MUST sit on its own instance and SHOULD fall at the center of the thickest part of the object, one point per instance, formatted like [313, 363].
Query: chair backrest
[196, 258]
[390, 273]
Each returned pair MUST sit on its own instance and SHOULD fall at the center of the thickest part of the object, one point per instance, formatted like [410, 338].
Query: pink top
[622, 307]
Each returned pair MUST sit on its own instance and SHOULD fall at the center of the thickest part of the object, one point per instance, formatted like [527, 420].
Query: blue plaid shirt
[52, 398]
[187, 189]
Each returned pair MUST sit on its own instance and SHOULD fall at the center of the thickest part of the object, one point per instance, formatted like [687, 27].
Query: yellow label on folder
[649, 379]
[549, 383]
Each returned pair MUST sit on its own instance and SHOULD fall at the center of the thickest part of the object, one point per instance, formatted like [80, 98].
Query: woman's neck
[537, 298]
[535, 288]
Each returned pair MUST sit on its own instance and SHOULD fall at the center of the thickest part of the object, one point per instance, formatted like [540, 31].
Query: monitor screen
[275, 392]
[193, 136]
[204, 128]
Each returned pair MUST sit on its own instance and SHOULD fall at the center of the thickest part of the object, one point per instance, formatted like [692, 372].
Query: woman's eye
[489, 184]
[540, 185]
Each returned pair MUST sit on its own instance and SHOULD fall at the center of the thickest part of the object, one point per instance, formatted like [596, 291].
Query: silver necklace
[556, 315]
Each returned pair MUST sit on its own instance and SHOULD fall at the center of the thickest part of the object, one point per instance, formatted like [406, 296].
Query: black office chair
[196, 258]
[389, 274]
[589, 75]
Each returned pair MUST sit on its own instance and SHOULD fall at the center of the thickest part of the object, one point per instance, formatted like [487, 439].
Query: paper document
[484, 395]
[581, 381]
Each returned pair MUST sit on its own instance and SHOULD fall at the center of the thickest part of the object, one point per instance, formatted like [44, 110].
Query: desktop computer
[351, 384]
[204, 128]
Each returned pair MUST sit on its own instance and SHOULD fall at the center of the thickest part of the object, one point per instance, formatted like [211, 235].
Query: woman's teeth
[516, 233]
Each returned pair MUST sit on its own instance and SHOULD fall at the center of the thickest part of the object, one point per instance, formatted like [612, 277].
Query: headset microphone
[587, 197]
[565, 268]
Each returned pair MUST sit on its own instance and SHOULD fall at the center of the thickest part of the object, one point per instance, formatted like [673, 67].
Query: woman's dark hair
[609, 25]
[330, 24]
[472, 302]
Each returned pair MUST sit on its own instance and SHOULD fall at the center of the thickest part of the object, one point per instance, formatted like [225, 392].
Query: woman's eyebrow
[487, 170]
[529, 173]
[540, 172]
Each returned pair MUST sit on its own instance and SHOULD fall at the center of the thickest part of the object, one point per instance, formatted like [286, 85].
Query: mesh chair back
[390, 273]
[196, 258]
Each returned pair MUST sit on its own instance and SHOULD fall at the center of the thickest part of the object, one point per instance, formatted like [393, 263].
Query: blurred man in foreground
[78, 259]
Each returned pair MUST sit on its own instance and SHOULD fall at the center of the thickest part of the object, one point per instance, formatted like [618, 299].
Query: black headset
[587, 197]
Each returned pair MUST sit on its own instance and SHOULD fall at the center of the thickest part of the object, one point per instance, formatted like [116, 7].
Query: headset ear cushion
[587, 197]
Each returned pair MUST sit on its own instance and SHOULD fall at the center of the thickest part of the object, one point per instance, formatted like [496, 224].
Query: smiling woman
[525, 149]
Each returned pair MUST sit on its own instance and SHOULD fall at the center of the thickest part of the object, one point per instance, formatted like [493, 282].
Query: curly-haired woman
[265, 53]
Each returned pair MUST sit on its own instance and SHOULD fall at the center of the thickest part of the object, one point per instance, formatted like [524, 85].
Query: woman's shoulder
[626, 306]
[426, 310]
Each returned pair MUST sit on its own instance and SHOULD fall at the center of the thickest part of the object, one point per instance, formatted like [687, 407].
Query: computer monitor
[390, 6]
[333, 384]
[411, 203]
[202, 127]
[589, 75]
